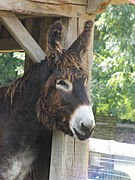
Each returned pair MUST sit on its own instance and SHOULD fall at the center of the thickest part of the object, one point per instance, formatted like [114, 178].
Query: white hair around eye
[64, 84]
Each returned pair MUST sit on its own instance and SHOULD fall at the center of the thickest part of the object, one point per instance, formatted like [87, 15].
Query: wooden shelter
[23, 27]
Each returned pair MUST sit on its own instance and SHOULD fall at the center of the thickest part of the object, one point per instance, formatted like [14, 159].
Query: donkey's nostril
[84, 127]
[87, 125]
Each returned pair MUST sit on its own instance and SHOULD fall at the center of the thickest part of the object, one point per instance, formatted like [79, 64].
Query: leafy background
[113, 90]
[11, 67]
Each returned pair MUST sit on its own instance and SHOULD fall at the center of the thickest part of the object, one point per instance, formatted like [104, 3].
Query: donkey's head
[64, 103]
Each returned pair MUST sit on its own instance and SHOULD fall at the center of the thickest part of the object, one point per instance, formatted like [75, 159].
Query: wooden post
[97, 6]
[69, 157]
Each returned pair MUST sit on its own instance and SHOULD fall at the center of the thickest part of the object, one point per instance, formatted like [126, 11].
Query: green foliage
[11, 67]
[113, 90]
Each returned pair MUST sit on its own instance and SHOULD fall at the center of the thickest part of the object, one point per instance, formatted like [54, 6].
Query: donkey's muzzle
[82, 122]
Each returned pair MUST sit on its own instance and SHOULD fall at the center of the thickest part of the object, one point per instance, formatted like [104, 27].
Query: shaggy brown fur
[50, 104]
[70, 67]
[18, 86]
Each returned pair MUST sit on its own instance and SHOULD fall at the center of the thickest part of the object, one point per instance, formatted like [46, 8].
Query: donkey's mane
[2, 92]
[19, 85]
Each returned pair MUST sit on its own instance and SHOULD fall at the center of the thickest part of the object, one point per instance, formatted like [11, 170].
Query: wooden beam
[77, 2]
[9, 45]
[23, 37]
[98, 6]
[42, 9]
[119, 1]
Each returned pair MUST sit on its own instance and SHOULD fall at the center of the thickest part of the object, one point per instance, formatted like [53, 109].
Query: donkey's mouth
[83, 137]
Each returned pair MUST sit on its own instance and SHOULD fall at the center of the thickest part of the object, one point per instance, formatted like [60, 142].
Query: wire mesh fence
[111, 166]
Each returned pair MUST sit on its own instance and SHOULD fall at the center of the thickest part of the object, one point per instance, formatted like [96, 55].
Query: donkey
[51, 94]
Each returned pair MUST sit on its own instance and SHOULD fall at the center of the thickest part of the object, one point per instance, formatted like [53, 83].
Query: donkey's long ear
[54, 39]
[80, 45]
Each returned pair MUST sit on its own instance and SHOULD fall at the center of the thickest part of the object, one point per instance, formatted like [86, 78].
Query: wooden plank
[9, 45]
[22, 36]
[79, 2]
[105, 127]
[98, 6]
[65, 158]
[119, 1]
[69, 158]
[93, 6]
[42, 9]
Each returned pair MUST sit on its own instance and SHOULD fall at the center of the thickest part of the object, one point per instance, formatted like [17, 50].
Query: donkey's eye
[64, 84]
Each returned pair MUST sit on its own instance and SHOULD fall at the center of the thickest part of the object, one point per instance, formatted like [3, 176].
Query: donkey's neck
[36, 81]
[22, 113]
[27, 89]
[24, 106]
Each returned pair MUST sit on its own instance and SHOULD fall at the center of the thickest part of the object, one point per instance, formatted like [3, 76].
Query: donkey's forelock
[70, 67]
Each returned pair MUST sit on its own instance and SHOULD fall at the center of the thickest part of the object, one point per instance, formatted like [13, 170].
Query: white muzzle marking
[82, 119]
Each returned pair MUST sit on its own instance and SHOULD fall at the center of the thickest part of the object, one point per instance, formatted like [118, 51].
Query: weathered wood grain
[79, 2]
[42, 9]
[119, 1]
[23, 37]
[66, 8]
[98, 6]
[105, 127]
